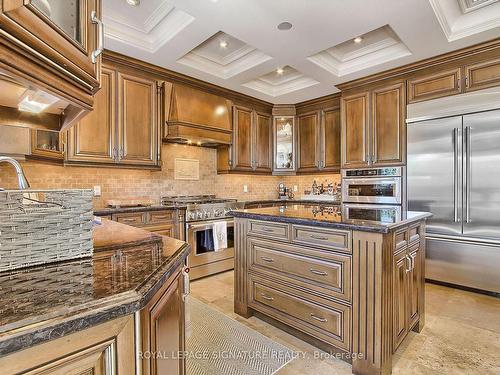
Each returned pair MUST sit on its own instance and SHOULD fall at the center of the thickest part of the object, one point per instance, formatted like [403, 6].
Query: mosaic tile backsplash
[130, 183]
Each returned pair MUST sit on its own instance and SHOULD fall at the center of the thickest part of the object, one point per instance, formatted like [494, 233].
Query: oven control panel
[373, 172]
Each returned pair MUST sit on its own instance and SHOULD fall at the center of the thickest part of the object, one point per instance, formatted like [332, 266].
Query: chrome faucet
[21, 178]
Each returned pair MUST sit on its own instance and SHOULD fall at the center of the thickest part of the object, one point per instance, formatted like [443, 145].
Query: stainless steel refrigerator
[454, 172]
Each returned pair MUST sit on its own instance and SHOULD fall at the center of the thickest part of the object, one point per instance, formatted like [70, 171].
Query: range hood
[197, 117]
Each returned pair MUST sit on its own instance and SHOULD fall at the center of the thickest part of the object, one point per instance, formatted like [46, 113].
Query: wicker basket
[44, 226]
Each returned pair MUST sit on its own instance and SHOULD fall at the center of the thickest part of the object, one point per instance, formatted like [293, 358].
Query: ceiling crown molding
[460, 19]
[160, 27]
[274, 85]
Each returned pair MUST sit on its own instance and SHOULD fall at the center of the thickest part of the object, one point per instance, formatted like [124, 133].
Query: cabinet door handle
[316, 272]
[100, 43]
[316, 237]
[266, 259]
[267, 298]
[319, 319]
[408, 264]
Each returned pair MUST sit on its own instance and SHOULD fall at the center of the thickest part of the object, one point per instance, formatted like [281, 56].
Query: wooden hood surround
[195, 116]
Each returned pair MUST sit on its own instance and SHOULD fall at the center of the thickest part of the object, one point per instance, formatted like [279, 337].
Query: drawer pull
[316, 272]
[321, 238]
[129, 220]
[322, 320]
[266, 259]
[267, 298]
[270, 230]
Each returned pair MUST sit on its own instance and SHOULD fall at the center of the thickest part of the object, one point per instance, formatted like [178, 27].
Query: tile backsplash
[130, 183]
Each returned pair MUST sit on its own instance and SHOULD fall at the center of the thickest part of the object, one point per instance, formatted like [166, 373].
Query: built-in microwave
[375, 185]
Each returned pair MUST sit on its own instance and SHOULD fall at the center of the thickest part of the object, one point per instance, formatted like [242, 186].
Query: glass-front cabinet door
[284, 144]
[67, 32]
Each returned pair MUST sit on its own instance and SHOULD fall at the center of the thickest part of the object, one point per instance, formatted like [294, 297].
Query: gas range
[203, 207]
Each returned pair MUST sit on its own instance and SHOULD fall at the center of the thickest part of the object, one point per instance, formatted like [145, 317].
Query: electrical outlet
[295, 188]
[245, 188]
[97, 190]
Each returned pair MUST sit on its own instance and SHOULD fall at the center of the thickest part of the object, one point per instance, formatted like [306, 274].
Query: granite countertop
[128, 267]
[328, 217]
[120, 210]
[291, 201]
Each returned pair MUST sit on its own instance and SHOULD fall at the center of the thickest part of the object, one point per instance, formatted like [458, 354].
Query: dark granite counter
[329, 216]
[289, 202]
[47, 302]
[120, 210]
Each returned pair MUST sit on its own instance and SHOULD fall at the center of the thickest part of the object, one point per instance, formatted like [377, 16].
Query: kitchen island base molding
[301, 287]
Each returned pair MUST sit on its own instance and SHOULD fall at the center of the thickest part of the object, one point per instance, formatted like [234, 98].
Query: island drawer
[323, 319]
[334, 239]
[269, 229]
[130, 218]
[322, 271]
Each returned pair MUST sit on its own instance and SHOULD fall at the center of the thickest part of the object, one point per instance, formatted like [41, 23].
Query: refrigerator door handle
[467, 173]
[455, 174]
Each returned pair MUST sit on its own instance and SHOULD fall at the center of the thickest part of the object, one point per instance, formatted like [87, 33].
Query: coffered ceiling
[236, 43]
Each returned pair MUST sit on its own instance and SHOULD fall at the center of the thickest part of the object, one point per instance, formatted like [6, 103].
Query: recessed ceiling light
[285, 26]
[358, 39]
[134, 3]
[222, 44]
[279, 71]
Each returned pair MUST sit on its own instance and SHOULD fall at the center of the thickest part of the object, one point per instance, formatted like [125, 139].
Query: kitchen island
[349, 286]
[97, 315]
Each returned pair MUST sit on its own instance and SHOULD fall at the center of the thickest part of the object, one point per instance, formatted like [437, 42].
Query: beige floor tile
[461, 335]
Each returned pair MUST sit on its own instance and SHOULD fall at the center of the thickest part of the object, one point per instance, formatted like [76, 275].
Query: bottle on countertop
[314, 188]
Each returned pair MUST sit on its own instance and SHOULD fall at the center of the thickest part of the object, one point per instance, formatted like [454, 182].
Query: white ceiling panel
[167, 33]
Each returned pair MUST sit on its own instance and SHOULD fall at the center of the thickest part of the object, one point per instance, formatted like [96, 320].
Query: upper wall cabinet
[124, 128]
[251, 149]
[482, 75]
[373, 127]
[457, 80]
[318, 141]
[53, 45]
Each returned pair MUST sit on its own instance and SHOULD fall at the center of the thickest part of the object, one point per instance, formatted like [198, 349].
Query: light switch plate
[97, 190]
[295, 188]
[245, 188]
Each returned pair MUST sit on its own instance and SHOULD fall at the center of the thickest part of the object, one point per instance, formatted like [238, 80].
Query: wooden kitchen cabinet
[138, 128]
[373, 127]
[330, 139]
[388, 125]
[58, 45]
[318, 135]
[47, 145]
[104, 349]
[308, 129]
[242, 139]
[94, 139]
[263, 160]
[407, 281]
[251, 150]
[355, 130]
[435, 85]
[124, 128]
[164, 329]
[457, 80]
[482, 75]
